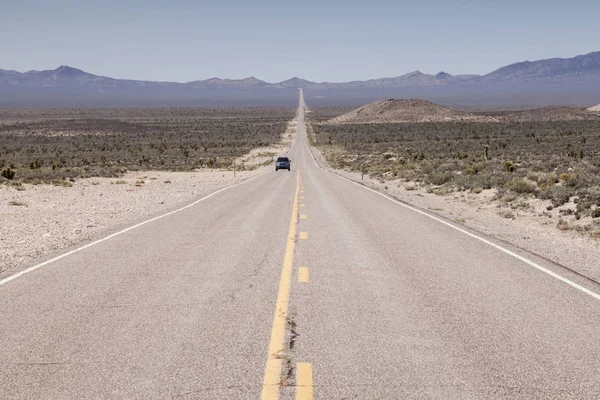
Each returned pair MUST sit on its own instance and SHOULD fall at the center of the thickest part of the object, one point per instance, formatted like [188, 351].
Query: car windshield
[282, 159]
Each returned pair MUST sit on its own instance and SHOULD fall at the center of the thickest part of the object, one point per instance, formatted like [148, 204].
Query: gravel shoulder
[41, 220]
[532, 228]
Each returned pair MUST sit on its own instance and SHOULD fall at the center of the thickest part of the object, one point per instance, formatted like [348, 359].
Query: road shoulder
[533, 234]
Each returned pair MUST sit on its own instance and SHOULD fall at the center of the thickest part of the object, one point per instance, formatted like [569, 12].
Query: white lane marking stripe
[517, 256]
[31, 269]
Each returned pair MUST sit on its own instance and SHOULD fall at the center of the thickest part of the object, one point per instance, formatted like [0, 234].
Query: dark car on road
[282, 163]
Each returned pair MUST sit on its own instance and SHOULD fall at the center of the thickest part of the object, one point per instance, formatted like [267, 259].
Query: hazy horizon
[291, 77]
[338, 42]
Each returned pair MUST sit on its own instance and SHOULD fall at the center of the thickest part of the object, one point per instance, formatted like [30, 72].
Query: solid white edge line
[498, 247]
[33, 268]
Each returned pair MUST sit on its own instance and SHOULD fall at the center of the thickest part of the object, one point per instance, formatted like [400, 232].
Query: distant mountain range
[553, 81]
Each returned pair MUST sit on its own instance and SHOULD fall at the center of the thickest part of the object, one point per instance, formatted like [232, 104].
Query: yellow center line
[304, 381]
[302, 216]
[303, 274]
[302, 205]
[303, 235]
[272, 379]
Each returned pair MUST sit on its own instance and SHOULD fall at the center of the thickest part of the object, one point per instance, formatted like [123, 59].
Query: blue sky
[274, 40]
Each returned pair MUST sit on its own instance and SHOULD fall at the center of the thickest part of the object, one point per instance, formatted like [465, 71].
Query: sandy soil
[530, 227]
[43, 219]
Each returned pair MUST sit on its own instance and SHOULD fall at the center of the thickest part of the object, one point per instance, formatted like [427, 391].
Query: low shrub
[8, 173]
[558, 195]
[519, 185]
[438, 178]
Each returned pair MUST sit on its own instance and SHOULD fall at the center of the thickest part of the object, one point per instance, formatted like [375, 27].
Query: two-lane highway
[299, 285]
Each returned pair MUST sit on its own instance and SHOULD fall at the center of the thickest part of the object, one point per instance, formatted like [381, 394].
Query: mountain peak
[66, 72]
[251, 82]
[67, 69]
[574, 76]
[295, 82]
[548, 68]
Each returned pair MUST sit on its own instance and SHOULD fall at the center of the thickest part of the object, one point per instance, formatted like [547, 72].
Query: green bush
[8, 173]
[438, 178]
[36, 164]
[519, 185]
[509, 166]
[474, 169]
[558, 195]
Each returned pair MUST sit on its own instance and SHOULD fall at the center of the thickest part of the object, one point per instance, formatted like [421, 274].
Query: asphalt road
[298, 285]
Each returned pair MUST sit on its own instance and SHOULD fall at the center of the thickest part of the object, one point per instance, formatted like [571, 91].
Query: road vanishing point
[298, 285]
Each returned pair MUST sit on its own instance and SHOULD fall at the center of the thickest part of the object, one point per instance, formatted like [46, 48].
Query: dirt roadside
[38, 220]
[533, 229]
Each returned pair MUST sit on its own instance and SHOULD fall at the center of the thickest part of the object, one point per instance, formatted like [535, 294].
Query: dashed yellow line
[302, 205]
[303, 235]
[303, 274]
[272, 378]
[304, 381]
[303, 216]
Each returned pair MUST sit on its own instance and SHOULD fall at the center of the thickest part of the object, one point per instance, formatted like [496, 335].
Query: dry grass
[557, 161]
[55, 145]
